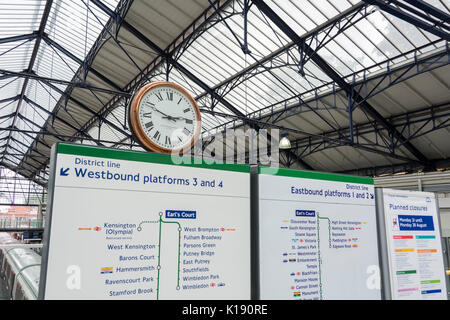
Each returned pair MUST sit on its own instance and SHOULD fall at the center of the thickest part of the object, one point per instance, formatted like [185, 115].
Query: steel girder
[29, 36]
[85, 67]
[410, 167]
[176, 48]
[330, 140]
[353, 94]
[88, 68]
[82, 106]
[98, 116]
[412, 125]
[353, 135]
[78, 84]
[411, 15]
[331, 29]
[428, 8]
[60, 136]
[37, 43]
[170, 60]
[367, 87]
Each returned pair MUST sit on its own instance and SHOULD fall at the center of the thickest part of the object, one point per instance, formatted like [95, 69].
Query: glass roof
[359, 50]
[73, 25]
[369, 39]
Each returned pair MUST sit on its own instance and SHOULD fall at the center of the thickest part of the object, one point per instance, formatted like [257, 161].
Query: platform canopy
[361, 87]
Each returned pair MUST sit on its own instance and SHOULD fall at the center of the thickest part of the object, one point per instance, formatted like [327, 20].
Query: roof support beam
[6, 76]
[26, 146]
[425, 16]
[86, 108]
[29, 36]
[329, 71]
[80, 62]
[323, 137]
[29, 133]
[7, 116]
[50, 114]
[168, 57]
[175, 48]
[37, 44]
[428, 8]
[336, 21]
[83, 85]
[81, 73]
[9, 99]
[405, 16]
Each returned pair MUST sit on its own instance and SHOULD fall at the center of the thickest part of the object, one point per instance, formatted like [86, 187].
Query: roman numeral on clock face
[186, 131]
[168, 141]
[149, 125]
[159, 96]
[157, 135]
[169, 96]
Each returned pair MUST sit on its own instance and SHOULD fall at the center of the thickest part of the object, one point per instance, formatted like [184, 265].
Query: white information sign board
[318, 236]
[416, 265]
[131, 225]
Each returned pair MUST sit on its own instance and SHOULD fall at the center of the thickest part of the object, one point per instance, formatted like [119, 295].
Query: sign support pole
[382, 246]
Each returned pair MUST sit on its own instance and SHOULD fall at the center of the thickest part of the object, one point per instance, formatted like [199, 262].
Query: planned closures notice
[317, 236]
[414, 245]
[128, 225]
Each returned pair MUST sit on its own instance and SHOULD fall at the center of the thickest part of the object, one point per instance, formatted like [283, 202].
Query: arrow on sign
[64, 172]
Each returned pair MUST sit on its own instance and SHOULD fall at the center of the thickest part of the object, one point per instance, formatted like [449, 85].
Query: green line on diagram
[179, 248]
[161, 221]
[318, 248]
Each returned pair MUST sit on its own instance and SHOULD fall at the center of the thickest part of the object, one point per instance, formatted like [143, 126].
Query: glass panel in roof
[20, 17]
[367, 45]
[337, 57]
[53, 64]
[391, 36]
[304, 12]
[15, 56]
[9, 86]
[182, 80]
[341, 5]
[11, 160]
[74, 26]
[383, 47]
[417, 37]
[325, 8]
[263, 36]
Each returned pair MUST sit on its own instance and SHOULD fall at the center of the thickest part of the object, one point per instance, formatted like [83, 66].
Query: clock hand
[169, 117]
[160, 112]
[180, 118]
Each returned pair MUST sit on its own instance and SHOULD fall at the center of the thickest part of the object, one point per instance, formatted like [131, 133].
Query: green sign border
[314, 175]
[107, 153]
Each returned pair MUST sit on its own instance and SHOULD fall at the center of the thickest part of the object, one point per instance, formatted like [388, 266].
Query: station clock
[164, 118]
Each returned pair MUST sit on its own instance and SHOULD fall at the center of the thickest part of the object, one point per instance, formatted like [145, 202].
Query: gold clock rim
[139, 131]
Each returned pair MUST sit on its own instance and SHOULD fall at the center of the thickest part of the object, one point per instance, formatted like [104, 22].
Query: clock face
[165, 118]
